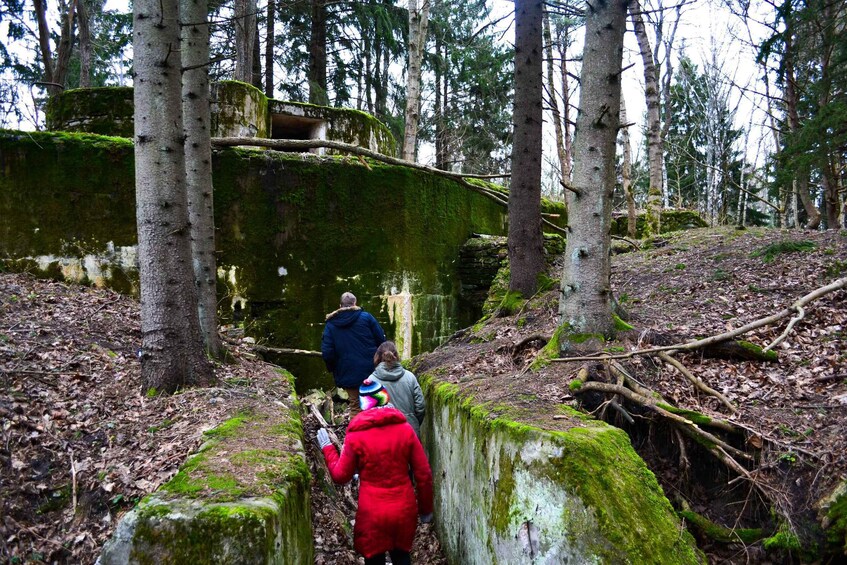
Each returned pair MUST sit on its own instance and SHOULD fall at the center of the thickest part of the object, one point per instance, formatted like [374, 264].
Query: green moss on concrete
[283, 220]
[64, 194]
[639, 522]
[835, 519]
[346, 125]
[106, 110]
[239, 109]
[636, 524]
[228, 428]
[721, 534]
[504, 489]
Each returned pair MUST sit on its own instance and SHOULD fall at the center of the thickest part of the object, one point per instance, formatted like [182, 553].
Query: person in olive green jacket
[402, 385]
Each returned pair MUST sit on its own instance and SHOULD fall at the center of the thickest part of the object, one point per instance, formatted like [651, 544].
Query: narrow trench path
[334, 510]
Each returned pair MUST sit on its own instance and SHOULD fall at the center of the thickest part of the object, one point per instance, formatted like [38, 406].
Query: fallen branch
[685, 424]
[699, 384]
[286, 351]
[715, 339]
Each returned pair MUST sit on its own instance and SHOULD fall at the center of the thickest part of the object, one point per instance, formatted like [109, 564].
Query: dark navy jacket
[348, 344]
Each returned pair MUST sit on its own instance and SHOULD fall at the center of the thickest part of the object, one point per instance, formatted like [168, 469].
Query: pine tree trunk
[586, 301]
[56, 71]
[654, 123]
[84, 44]
[256, 77]
[554, 102]
[245, 36]
[526, 248]
[171, 348]
[269, 50]
[317, 55]
[417, 41]
[198, 168]
[562, 39]
[802, 172]
[626, 176]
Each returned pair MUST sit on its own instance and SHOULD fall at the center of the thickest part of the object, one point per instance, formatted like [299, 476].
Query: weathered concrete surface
[510, 493]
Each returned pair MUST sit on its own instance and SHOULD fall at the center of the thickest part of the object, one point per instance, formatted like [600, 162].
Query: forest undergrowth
[79, 444]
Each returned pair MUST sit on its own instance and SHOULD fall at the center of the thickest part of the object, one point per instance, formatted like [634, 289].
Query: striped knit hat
[372, 394]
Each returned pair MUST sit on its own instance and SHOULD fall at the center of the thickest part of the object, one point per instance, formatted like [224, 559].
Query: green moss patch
[580, 487]
[770, 252]
[721, 534]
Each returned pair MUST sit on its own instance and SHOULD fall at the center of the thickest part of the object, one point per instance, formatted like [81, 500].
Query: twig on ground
[699, 384]
[700, 343]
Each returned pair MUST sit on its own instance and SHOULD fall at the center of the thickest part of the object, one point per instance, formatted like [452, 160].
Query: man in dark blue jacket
[348, 345]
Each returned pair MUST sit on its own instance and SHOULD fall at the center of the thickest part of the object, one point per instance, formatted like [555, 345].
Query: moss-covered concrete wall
[106, 111]
[243, 498]
[239, 110]
[510, 493]
[294, 232]
[343, 124]
[672, 220]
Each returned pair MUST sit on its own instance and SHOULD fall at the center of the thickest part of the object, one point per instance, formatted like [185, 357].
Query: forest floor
[80, 444]
[791, 415]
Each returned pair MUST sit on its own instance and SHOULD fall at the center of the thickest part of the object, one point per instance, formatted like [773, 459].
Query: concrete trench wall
[508, 493]
[294, 231]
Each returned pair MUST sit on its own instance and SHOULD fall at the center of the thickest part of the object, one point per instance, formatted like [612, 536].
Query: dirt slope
[791, 415]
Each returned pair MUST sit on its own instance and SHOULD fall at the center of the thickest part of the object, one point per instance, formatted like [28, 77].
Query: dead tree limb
[699, 384]
[715, 339]
[703, 437]
[306, 144]
[286, 351]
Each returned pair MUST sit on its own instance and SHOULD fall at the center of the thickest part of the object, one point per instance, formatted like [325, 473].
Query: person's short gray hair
[348, 299]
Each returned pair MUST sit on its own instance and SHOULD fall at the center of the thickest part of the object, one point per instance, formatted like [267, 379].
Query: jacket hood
[344, 317]
[386, 373]
[376, 418]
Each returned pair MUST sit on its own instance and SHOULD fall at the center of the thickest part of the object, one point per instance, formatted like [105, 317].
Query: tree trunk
[586, 302]
[564, 166]
[55, 71]
[802, 172]
[440, 104]
[84, 44]
[198, 168]
[654, 124]
[269, 50]
[171, 349]
[626, 176]
[317, 55]
[245, 36]
[562, 36]
[257, 58]
[417, 41]
[526, 246]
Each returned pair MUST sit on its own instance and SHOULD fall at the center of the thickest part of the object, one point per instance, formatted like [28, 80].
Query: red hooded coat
[381, 446]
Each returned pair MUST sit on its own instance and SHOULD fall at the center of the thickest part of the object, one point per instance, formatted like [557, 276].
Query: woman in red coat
[381, 446]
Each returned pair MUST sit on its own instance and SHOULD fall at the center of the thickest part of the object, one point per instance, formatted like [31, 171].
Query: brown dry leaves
[79, 444]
